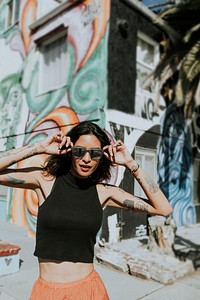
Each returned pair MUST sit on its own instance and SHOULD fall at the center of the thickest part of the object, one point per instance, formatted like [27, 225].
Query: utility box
[9, 258]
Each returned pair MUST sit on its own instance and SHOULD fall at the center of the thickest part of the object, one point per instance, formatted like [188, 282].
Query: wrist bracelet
[134, 168]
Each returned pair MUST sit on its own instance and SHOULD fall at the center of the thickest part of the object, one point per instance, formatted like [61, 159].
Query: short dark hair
[57, 165]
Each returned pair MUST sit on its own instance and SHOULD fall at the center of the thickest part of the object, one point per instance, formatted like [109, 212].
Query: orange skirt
[89, 288]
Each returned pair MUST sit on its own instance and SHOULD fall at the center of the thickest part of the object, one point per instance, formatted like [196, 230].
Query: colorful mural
[175, 171]
[27, 117]
[195, 128]
[83, 97]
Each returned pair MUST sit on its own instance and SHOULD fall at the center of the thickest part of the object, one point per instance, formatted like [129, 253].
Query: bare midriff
[63, 271]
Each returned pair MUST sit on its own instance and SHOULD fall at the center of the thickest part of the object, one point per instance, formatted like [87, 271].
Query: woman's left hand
[118, 154]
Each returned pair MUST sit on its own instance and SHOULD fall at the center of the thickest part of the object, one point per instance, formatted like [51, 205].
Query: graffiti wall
[174, 156]
[27, 117]
[133, 108]
[132, 130]
[175, 165]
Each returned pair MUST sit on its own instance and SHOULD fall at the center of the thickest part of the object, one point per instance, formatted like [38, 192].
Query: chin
[85, 174]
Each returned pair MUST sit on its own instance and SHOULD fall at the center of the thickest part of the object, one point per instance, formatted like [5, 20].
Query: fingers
[56, 144]
[119, 145]
[109, 153]
[111, 150]
[65, 143]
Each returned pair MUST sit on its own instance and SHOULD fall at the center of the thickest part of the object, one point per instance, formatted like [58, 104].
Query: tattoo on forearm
[136, 204]
[153, 188]
[9, 153]
[14, 180]
[31, 153]
[6, 154]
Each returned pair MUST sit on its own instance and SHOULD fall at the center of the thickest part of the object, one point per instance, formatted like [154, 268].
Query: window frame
[145, 95]
[45, 41]
[12, 18]
[141, 62]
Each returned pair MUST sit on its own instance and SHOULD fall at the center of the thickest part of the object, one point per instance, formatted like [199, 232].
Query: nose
[86, 157]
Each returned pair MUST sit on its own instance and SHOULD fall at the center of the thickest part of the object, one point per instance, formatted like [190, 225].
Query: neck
[75, 174]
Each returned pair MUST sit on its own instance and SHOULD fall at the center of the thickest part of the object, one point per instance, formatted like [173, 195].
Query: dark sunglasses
[95, 153]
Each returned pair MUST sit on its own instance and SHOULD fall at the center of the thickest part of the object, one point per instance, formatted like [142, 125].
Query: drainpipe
[151, 16]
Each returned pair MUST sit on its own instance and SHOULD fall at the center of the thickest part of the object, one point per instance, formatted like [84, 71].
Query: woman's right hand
[56, 144]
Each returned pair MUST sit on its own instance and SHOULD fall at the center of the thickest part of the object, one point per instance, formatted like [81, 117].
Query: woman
[71, 196]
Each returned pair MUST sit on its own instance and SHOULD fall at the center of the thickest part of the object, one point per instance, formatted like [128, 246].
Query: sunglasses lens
[78, 151]
[81, 151]
[96, 153]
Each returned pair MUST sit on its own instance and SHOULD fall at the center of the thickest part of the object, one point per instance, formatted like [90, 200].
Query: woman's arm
[17, 177]
[28, 177]
[157, 202]
[13, 156]
[50, 145]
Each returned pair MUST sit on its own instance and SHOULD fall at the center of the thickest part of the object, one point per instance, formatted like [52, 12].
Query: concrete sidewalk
[120, 286]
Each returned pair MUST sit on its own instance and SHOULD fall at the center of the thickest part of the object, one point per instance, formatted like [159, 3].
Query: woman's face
[84, 166]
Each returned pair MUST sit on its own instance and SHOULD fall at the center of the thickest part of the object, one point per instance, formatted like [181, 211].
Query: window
[53, 63]
[147, 159]
[12, 13]
[147, 58]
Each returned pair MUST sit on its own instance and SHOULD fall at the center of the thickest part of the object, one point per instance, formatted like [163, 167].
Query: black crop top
[68, 221]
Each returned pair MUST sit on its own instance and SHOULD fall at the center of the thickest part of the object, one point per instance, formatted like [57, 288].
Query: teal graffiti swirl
[175, 174]
[88, 89]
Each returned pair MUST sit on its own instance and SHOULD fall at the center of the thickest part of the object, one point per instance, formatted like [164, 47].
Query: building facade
[63, 62]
